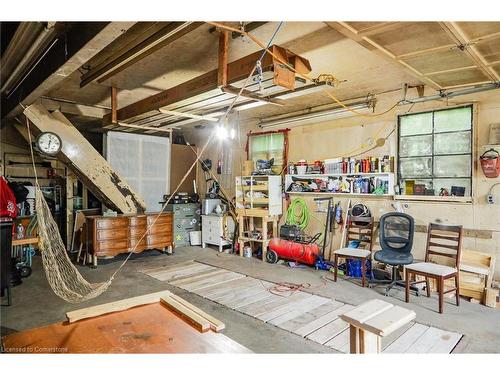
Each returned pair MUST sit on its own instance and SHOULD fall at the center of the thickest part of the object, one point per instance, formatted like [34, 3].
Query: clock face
[49, 143]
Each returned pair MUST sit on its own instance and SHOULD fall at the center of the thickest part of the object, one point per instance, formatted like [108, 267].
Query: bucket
[195, 238]
[247, 252]
[490, 163]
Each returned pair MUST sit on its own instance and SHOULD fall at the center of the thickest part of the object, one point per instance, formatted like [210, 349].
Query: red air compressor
[300, 252]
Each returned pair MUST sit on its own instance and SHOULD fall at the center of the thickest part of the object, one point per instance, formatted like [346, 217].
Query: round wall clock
[49, 143]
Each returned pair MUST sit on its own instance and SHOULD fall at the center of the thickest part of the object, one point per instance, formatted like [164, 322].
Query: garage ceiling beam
[72, 108]
[372, 46]
[236, 71]
[155, 37]
[81, 42]
[459, 36]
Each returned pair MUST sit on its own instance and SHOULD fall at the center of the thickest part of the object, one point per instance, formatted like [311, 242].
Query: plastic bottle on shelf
[19, 231]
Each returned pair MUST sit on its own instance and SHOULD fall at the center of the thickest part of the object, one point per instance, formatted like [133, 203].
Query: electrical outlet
[490, 199]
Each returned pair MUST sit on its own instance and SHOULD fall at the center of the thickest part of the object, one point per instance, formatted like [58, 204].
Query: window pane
[452, 143]
[452, 166]
[415, 167]
[416, 146]
[447, 183]
[452, 120]
[420, 123]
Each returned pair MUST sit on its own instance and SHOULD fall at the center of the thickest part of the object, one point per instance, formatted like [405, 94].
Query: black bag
[19, 190]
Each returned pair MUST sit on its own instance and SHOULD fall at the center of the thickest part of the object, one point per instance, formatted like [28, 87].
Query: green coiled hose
[298, 213]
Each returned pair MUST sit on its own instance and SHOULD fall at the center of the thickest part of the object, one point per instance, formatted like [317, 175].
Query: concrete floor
[34, 303]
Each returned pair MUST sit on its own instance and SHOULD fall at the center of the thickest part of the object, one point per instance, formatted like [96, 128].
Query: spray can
[19, 231]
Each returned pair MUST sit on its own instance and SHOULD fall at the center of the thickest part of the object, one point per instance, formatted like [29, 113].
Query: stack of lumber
[476, 276]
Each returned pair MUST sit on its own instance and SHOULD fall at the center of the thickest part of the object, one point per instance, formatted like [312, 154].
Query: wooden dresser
[109, 236]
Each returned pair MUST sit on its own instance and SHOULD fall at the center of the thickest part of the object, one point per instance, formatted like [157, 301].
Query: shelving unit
[384, 176]
[251, 209]
[249, 189]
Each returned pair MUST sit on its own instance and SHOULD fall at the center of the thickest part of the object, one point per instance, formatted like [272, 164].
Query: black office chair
[396, 240]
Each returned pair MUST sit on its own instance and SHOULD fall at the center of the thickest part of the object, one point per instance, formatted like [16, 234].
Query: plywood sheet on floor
[311, 316]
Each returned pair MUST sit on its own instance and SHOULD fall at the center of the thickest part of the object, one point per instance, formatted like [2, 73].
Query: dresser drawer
[138, 221]
[163, 219]
[111, 234]
[137, 232]
[102, 246]
[159, 241]
[112, 223]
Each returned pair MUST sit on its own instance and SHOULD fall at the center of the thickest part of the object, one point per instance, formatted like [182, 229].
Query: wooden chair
[442, 241]
[358, 229]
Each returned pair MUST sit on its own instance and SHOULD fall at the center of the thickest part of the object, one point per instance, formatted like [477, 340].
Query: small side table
[372, 320]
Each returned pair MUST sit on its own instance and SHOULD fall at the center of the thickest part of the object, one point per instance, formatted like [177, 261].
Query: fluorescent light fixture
[318, 116]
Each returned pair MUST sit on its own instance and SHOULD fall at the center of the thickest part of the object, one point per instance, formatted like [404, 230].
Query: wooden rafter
[188, 115]
[457, 34]
[371, 45]
[137, 50]
[202, 85]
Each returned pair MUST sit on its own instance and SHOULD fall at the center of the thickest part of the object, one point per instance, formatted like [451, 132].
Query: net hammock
[62, 275]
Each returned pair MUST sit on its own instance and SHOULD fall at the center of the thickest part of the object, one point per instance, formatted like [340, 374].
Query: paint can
[247, 252]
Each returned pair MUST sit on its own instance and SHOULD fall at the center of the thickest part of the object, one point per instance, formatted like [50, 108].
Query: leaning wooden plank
[308, 317]
[84, 160]
[389, 339]
[120, 305]
[407, 339]
[322, 321]
[215, 324]
[197, 320]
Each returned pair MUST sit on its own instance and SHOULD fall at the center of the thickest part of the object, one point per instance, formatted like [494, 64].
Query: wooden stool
[372, 320]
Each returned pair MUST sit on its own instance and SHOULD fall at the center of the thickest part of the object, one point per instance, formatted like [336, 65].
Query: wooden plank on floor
[196, 320]
[308, 317]
[180, 265]
[328, 331]
[340, 342]
[292, 305]
[434, 340]
[322, 321]
[196, 277]
[213, 280]
[259, 308]
[243, 300]
[295, 309]
[226, 288]
[171, 275]
[238, 293]
[247, 308]
[388, 340]
[407, 339]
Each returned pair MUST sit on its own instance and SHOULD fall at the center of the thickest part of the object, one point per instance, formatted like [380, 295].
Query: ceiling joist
[157, 36]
